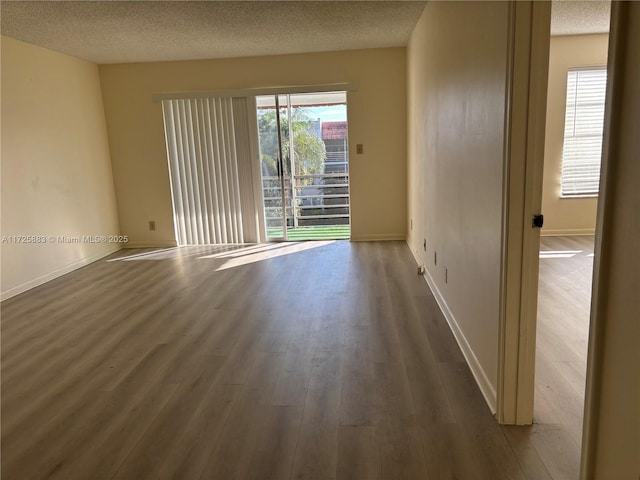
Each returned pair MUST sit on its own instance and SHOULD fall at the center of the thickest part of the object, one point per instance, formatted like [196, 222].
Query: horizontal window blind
[583, 127]
[205, 164]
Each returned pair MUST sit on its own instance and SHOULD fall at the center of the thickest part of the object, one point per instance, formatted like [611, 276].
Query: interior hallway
[323, 360]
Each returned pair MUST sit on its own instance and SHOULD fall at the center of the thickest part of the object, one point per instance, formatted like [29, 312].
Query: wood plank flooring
[319, 360]
[564, 301]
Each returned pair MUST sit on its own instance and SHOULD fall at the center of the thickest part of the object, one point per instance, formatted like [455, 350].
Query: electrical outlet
[152, 224]
[424, 244]
[435, 258]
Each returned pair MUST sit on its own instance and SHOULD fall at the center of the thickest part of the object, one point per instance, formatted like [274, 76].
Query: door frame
[256, 174]
[291, 164]
[280, 163]
[528, 66]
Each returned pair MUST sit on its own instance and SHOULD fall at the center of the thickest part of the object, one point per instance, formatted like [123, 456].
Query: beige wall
[456, 96]
[566, 215]
[376, 114]
[56, 170]
[612, 416]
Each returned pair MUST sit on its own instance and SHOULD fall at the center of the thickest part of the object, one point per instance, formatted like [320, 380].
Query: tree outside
[305, 202]
[308, 148]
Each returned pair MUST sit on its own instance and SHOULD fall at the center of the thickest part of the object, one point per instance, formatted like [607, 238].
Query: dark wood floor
[564, 297]
[323, 360]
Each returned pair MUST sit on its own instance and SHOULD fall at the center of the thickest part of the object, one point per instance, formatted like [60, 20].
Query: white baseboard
[417, 255]
[487, 390]
[375, 237]
[566, 232]
[12, 292]
[149, 245]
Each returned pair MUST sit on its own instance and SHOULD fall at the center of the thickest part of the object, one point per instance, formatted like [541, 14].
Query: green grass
[324, 232]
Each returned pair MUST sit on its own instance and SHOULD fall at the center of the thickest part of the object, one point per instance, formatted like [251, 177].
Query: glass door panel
[286, 147]
[305, 165]
[269, 140]
[320, 162]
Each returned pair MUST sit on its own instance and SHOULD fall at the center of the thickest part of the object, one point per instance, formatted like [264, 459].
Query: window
[583, 131]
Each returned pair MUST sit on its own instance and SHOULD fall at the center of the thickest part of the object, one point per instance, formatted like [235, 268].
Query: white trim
[12, 292]
[506, 378]
[618, 61]
[534, 161]
[563, 232]
[578, 197]
[249, 92]
[487, 390]
[375, 237]
[524, 157]
[150, 244]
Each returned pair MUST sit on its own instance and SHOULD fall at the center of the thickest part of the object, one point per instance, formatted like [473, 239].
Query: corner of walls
[566, 216]
[57, 182]
[58, 272]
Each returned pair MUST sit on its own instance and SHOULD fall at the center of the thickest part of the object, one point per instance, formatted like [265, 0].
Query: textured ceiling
[580, 17]
[143, 31]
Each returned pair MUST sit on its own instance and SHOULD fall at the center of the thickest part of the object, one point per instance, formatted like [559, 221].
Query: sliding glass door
[304, 165]
[271, 138]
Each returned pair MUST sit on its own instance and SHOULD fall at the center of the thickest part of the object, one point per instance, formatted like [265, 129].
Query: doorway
[304, 165]
[570, 187]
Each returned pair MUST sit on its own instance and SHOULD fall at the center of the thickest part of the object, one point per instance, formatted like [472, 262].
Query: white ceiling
[110, 31]
[580, 17]
[143, 31]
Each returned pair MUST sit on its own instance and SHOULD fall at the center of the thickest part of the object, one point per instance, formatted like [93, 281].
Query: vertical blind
[583, 127]
[207, 149]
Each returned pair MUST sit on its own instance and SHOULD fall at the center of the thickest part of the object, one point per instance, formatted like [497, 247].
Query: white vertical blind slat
[234, 166]
[174, 171]
[223, 170]
[213, 178]
[249, 218]
[183, 177]
[200, 160]
[219, 156]
[229, 156]
[187, 179]
[206, 176]
[193, 167]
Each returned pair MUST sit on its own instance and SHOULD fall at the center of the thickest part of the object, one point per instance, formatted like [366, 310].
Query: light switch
[359, 149]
